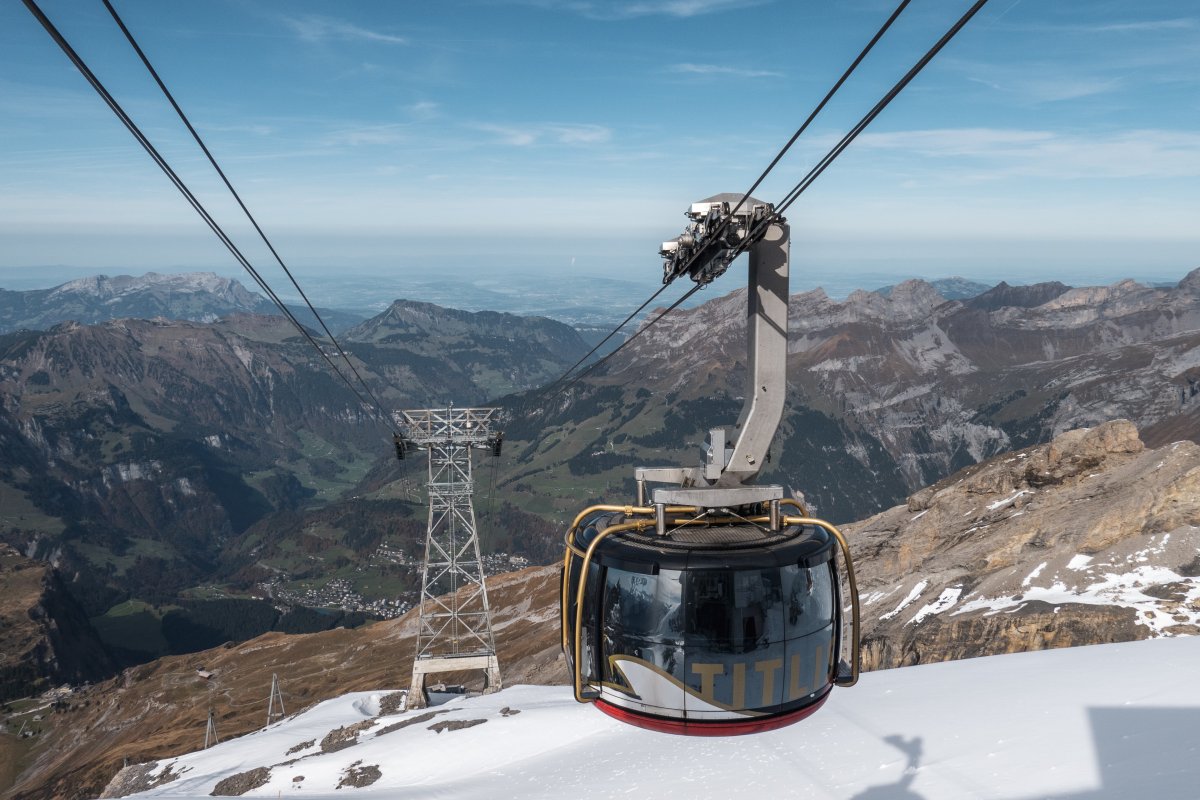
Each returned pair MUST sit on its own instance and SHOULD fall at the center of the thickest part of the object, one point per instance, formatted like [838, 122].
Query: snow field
[1107, 721]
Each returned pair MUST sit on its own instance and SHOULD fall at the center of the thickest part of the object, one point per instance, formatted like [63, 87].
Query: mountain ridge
[191, 296]
[887, 394]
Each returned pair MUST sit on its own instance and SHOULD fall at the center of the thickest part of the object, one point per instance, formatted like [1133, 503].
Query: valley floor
[1099, 722]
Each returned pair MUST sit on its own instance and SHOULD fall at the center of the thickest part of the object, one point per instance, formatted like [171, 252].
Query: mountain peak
[910, 299]
[1191, 282]
[196, 296]
[1002, 295]
[105, 286]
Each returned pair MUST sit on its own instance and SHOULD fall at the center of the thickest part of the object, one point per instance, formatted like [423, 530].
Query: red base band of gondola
[685, 727]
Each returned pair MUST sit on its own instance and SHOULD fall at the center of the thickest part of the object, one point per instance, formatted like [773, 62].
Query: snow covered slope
[1108, 721]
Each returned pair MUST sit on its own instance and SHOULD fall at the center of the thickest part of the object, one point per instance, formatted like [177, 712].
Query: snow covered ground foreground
[1107, 721]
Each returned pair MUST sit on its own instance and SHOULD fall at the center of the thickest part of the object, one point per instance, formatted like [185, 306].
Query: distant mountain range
[148, 457]
[886, 394]
[195, 296]
[949, 288]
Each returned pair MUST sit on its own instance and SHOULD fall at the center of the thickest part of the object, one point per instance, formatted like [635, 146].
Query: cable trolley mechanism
[713, 606]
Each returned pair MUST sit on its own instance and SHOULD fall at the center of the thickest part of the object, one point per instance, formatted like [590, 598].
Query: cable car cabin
[704, 610]
[710, 628]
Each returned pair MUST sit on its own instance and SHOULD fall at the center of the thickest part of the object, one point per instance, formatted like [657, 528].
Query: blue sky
[1049, 140]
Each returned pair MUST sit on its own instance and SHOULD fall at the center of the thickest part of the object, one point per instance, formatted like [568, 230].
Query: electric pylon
[275, 702]
[210, 730]
[454, 632]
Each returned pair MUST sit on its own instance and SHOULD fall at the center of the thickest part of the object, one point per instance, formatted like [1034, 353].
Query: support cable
[858, 128]
[212, 160]
[593, 367]
[808, 121]
[550, 389]
[158, 159]
[900, 85]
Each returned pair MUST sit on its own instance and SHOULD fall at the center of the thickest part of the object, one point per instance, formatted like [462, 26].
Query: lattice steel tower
[455, 630]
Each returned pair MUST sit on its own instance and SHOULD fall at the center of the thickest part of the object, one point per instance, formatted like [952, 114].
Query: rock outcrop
[45, 638]
[1091, 538]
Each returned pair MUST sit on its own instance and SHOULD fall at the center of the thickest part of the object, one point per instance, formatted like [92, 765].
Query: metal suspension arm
[766, 356]
[734, 457]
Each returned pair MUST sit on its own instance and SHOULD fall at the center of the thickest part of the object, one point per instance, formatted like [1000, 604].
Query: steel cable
[212, 160]
[593, 367]
[549, 390]
[858, 128]
[878, 108]
[179, 184]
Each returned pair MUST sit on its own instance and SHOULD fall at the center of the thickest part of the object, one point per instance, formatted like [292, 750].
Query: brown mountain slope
[886, 395]
[45, 638]
[160, 709]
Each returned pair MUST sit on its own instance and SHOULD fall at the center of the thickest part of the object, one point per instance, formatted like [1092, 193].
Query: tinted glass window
[735, 611]
[644, 606]
[643, 618]
[808, 599]
[755, 638]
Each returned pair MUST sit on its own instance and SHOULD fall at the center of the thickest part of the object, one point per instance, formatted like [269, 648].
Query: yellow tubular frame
[642, 524]
[579, 518]
[854, 612]
[628, 511]
[796, 504]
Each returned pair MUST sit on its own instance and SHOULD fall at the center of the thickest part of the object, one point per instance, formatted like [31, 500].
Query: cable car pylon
[210, 729]
[704, 608]
[454, 631]
[275, 710]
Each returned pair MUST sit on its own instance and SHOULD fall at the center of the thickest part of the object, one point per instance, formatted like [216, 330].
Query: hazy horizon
[383, 287]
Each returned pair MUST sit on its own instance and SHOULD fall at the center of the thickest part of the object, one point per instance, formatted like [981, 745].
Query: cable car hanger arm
[734, 457]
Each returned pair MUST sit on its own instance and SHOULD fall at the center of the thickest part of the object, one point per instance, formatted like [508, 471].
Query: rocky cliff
[1091, 538]
[45, 638]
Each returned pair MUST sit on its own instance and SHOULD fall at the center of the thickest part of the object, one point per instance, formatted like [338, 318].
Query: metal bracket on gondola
[715, 237]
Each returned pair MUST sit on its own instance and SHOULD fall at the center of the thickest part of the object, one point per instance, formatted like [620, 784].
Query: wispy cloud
[251, 128]
[423, 111]
[602, 10]
[580, 134]
[1041, 81]
[1181, 24]
[1136, 26]
[993, 153]
[1051, 90]
[314, 28]
[365, 135]
[722, 71]
[685, 8]
[527, 135]
[517, 137]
